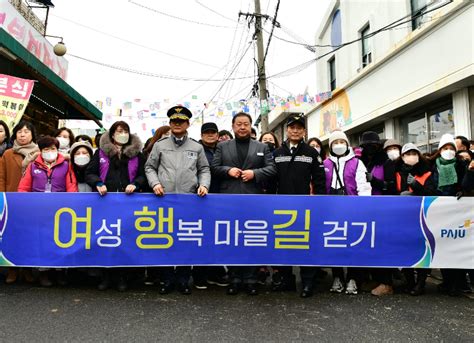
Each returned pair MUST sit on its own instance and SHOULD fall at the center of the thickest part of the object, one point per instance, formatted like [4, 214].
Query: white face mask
[63, 142]
[448, 155]
[81, 160]
[49, 156]
[411, 160]
[121, 138]
[318, 149]
[393, 154]
[339, 149]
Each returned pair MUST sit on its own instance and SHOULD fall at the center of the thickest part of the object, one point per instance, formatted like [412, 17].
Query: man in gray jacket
[178, 164]
[242, 165]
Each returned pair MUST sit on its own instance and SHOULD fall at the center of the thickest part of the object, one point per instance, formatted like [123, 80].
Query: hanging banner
[14, 96]
[85, 230]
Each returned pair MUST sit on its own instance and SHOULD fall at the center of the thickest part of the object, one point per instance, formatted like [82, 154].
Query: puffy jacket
[296, 172]
[179, 169]
[37, 175]
[113, 171]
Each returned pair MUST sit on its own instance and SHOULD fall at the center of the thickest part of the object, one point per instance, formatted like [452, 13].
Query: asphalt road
[83, 314]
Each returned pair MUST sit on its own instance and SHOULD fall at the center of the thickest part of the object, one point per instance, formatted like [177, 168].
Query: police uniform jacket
[296, 171]
[178, 168]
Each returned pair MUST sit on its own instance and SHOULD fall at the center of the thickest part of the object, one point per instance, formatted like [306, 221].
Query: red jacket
[37, 173]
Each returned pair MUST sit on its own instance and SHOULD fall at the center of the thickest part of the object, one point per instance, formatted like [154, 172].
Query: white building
[413, 80]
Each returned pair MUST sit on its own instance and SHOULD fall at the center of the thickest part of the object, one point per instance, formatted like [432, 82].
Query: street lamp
[60, 48]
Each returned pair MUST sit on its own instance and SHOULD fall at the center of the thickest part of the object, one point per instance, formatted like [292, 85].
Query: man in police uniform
[298, 166]
[178, 164]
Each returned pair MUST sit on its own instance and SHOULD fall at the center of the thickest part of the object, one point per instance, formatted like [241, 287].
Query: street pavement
[79, 313]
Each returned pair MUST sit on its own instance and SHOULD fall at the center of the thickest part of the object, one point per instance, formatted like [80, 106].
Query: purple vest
[350, 169]
[39, 177]
[377, 172]
[104, 163]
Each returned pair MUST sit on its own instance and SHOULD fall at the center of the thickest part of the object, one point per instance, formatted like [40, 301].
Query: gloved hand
[411, 179]
[406, 193]
[368, 176]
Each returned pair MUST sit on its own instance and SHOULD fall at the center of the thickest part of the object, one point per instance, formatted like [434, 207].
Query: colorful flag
[229, 106]
[108, 101]
[99, 104]
[195, 97]
[127, 105]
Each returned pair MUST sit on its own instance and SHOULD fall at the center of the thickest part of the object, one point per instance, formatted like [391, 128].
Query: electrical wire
[271, 33]
[187, 20]
[214, 11]
[134, 43]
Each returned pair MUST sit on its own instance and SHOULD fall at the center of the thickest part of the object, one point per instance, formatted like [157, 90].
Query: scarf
[447, 172]
[29, 152]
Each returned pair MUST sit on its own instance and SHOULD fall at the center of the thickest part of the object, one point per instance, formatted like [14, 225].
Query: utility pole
[262, 79]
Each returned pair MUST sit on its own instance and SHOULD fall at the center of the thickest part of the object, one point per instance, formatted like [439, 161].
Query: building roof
[76, 106]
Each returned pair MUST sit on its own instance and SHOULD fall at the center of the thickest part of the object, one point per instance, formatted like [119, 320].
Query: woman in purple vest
[345, 175]
[117, 166]
[49, 172]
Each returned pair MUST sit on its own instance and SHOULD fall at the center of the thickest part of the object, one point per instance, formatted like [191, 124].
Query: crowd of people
[172, 162]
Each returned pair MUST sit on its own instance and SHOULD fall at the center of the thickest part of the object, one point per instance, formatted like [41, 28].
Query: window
[426, 127]
[418, 7]
[366, 48]
[332, 73]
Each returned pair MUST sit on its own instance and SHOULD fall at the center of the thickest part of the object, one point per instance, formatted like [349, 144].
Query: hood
[132, 149]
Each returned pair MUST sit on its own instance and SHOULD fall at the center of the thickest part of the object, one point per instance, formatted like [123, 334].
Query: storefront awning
[75, 106]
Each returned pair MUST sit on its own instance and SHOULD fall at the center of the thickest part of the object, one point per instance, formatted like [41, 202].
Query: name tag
[259, 153]
[192, 155]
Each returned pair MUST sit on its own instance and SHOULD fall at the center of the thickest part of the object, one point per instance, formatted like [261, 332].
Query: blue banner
[84, 229]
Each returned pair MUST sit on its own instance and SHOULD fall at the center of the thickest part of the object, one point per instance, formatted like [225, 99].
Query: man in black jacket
[299, 168]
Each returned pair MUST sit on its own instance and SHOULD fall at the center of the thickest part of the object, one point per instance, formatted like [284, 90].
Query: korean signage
[14, 96]
[84, 229]
[19, 28]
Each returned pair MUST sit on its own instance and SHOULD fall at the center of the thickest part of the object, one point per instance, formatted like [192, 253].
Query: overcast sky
[191, 39]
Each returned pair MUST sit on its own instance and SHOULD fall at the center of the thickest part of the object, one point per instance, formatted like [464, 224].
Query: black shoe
[184, 289]
[166, 287]
[251, 289]
[419, 289]
[233, 289]
[306, 292]
[262, 276]
[277, 278]
[122, 285]
[104, 284]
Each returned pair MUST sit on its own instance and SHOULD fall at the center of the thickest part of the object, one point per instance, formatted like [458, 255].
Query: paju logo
[459, 232]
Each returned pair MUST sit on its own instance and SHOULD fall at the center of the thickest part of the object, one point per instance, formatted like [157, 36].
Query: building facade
[402, 68]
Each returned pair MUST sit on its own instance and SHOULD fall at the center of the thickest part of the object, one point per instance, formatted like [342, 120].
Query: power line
[135, 44]
[214, 11]
[274, 22]
[187, 20]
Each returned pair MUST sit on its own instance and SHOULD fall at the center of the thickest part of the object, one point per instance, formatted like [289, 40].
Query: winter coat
[351, 174]
[10, 170]
[214, 188]
[178, 168]
[375, 167]
[421, 171]
[296, 172]
[38, 175]
[114, 171]
[80, 171]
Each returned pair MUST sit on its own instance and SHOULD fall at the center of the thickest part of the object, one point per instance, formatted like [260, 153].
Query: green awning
[76, 107]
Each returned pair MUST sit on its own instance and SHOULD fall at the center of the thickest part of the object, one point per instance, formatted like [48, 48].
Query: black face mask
[370, 149]
[271, 146]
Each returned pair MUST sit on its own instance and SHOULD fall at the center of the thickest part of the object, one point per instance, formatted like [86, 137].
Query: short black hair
[7, 131]
[71, 135]
[115, 126]
[242, 114]
[225, 132]
[464, 142]
[20, 126]
[47, 141]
